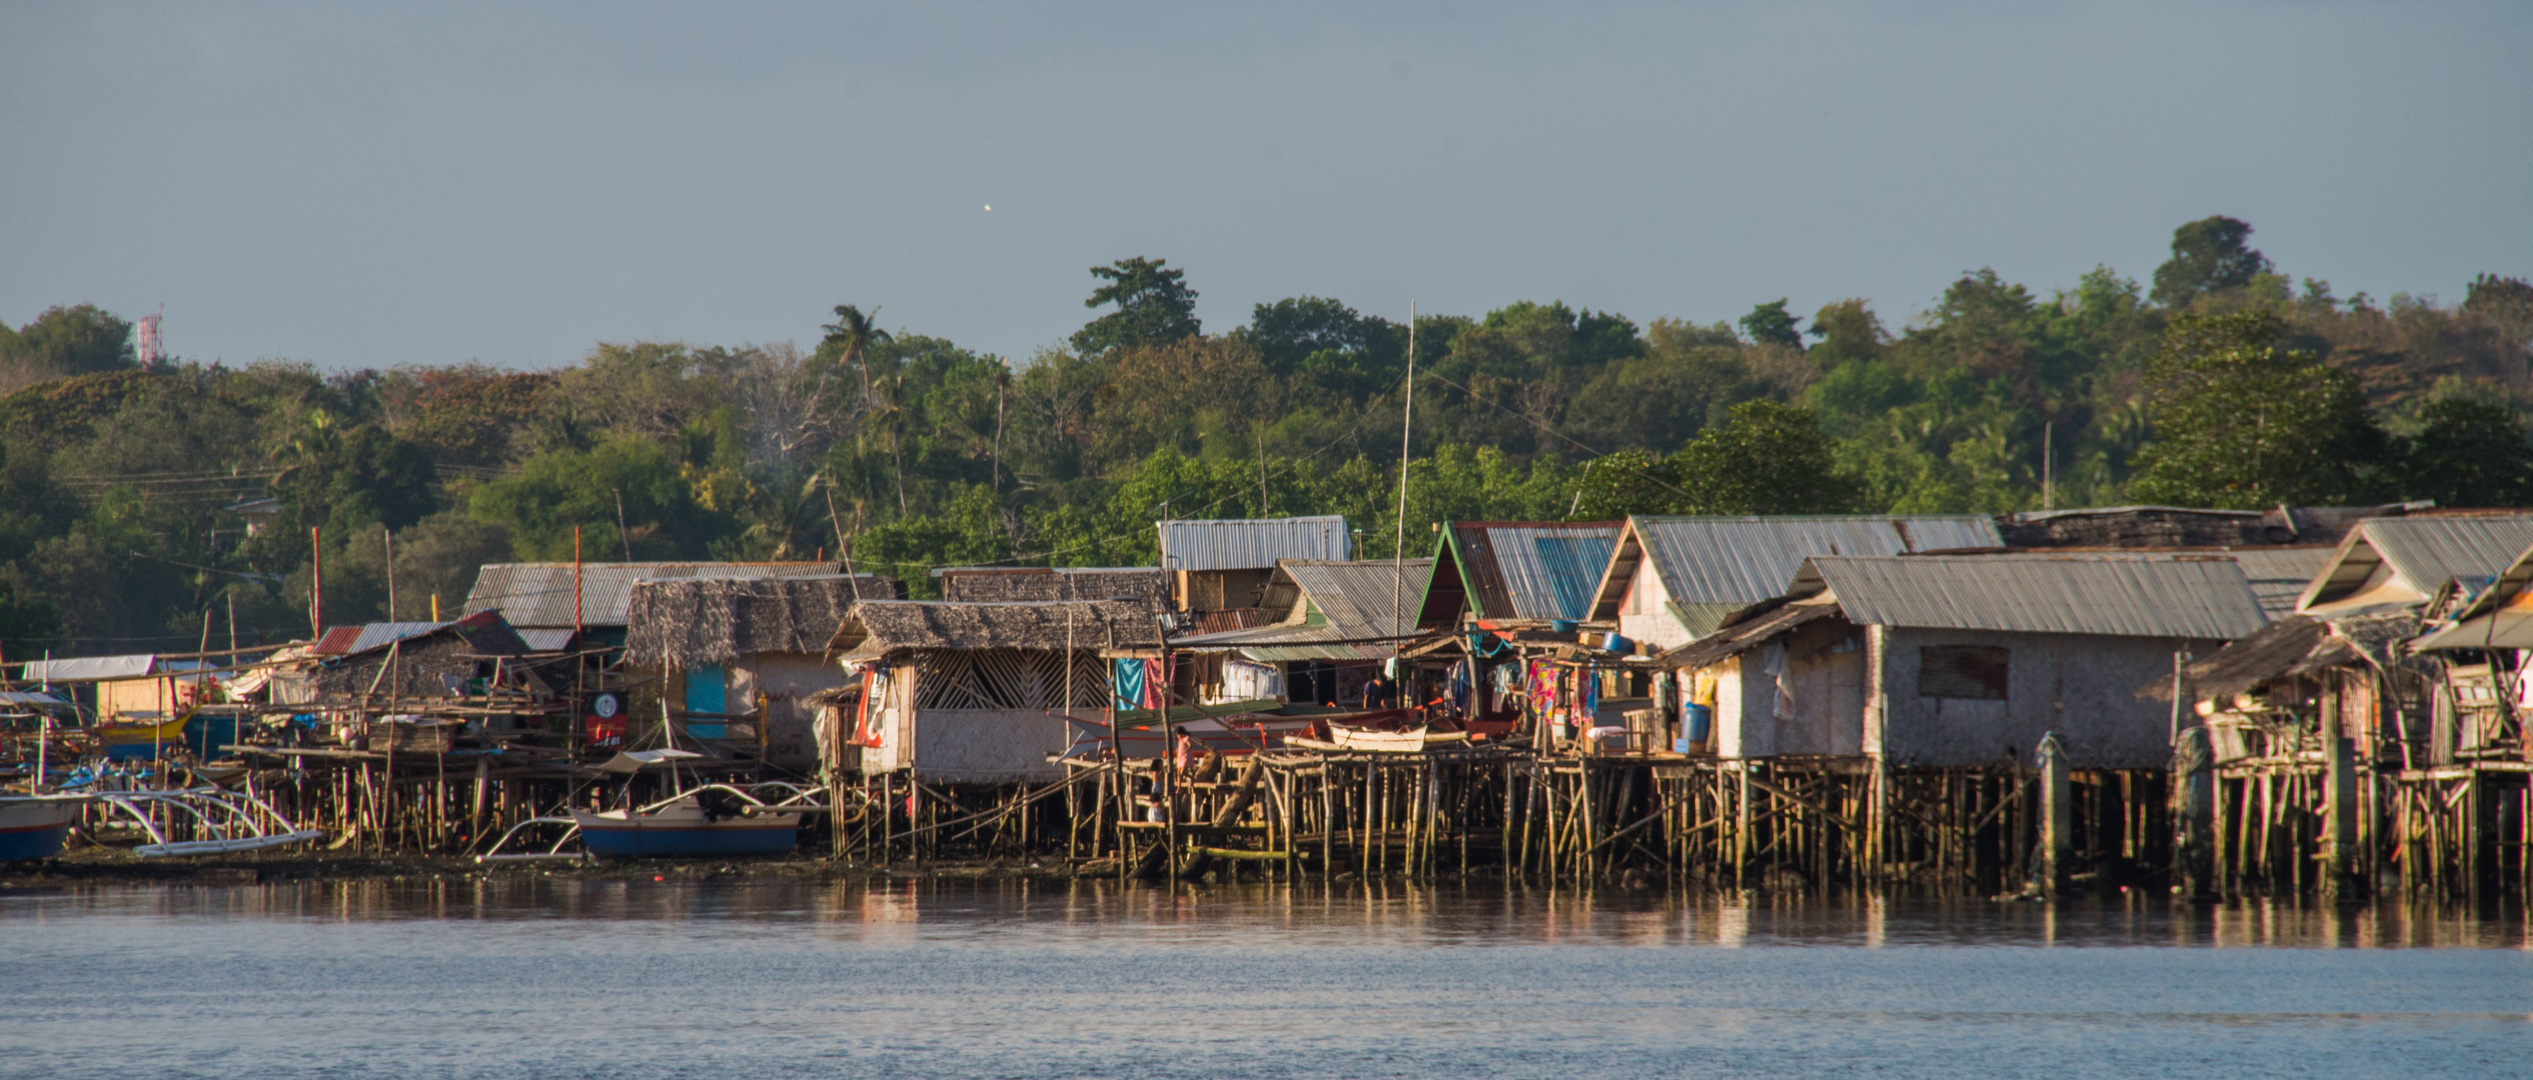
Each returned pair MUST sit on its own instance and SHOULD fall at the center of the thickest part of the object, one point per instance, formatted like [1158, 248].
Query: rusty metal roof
[540, 594]
[1251, 543]
[362, 637]
[2128, 596]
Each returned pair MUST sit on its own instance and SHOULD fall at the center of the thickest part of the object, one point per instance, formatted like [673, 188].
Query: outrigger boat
[707, 821]
[34, 826]
[713, 820]
[225, 822]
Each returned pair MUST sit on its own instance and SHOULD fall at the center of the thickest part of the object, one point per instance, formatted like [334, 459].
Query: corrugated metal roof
[1364, 599]
[1744, 560]
[540, 594]
[547, 639]
[90, 668]
[346, 640]
[1251, 544]
[2431, 550]
[2279, 575]
[2122, 596]
[1353, 600]
[1533, 569]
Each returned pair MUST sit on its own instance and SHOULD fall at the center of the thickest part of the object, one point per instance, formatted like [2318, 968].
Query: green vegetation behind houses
[2228, 385]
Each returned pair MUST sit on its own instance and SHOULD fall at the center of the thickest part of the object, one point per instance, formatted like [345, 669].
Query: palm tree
[853, 333]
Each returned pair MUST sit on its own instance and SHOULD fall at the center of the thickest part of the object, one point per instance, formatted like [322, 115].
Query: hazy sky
[360, 185]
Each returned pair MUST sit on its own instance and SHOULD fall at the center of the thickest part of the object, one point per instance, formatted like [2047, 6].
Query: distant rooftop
[1253, 543]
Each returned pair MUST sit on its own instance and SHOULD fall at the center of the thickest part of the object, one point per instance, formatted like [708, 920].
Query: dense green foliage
[2230, 386]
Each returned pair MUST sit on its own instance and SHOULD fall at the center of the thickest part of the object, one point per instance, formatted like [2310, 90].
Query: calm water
[537, 978]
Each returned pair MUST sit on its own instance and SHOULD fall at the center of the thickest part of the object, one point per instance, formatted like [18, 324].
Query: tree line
[2221, 383]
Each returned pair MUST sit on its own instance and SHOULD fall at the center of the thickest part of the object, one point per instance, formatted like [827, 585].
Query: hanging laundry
[1587, 698]
[1244, 680]
[870, 724]
[1128, 676]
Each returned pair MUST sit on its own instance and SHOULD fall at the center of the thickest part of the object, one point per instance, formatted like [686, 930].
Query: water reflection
[1393, 913]
[543, 977]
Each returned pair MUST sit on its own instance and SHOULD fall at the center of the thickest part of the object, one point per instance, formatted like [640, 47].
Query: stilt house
[1673, 580]
[1956, 661]
[970, 693]
[1333, 624]
[1515, 572]
[741, 656]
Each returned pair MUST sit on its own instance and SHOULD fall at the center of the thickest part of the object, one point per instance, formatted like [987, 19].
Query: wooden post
[2056, 822]
[1741, 827]
[2339, 802]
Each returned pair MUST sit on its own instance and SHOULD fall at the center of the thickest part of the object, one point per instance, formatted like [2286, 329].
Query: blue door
[707, 691]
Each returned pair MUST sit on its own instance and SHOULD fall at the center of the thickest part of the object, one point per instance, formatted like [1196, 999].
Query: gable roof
[1516, 569]
[1340, 610]
[485, 631]
[1715, 568]
[1251, 543]
[2498, 615]
[696, 623]
[540, 594]
[2388, 563]
[878, 627]
[2125, 596]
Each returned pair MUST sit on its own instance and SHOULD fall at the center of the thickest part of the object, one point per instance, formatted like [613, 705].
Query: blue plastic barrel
[1699, 722]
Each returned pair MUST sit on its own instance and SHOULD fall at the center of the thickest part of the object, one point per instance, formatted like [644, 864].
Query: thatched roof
[555, 595]
[700, 622]
[833, 696]
[1013, 584]
[876, 628]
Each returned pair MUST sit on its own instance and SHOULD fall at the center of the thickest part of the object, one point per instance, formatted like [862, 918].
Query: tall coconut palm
[852, 335]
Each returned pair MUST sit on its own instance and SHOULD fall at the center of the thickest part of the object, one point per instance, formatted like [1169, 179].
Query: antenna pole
[1406, 429]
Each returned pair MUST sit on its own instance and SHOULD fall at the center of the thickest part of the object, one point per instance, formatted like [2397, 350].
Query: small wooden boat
[132, 736]
[33, 827]
[711, 821]
[1366, 741]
